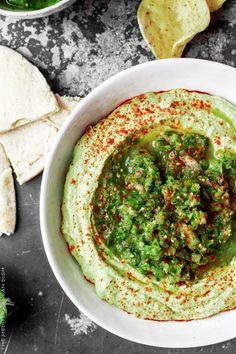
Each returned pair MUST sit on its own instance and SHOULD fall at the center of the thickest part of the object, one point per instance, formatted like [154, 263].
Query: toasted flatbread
[7, 196]
[24, 92]
[27, 146]
[214, 5]
[168, 25]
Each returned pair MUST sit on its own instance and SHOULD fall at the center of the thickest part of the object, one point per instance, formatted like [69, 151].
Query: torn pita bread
[24, 93]
[27, 146]
[7, 196]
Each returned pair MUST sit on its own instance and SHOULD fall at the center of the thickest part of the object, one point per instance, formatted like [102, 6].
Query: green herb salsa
[164, 204]
[25, 5]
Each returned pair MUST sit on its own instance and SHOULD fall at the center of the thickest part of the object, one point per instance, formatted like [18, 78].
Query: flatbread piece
[24, 92]
[27, 146]
[168, 25]
[7, 196]
[215, 4]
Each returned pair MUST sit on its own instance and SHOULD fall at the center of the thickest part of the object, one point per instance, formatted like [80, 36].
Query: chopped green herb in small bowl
[32, 8]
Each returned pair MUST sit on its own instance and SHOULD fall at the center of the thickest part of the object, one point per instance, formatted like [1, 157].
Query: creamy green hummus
[149, 206]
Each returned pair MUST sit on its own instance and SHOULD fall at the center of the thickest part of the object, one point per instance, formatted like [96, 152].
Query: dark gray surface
[76, 50]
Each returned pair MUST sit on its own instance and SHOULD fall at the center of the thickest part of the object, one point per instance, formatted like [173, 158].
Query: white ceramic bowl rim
[37, 13]
[181, 334]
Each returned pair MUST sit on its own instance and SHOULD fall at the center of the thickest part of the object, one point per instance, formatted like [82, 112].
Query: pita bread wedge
[214, 5]
[24, 93]
[7, 196]
[168, 25]
[27, 146]
[67, 105]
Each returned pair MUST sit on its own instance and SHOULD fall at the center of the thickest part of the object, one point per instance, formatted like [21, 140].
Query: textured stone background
[76, 50]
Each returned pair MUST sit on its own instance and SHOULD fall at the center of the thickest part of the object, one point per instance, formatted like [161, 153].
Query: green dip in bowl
[26, 4]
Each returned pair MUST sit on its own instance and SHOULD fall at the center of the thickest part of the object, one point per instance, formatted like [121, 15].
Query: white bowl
[61, 5]
[192, 74]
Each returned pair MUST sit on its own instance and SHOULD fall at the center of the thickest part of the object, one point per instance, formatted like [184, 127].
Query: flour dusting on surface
[80, 325]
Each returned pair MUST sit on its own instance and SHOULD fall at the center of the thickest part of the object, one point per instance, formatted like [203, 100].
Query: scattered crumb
[227, 347]
[80, 325]
[40, 293]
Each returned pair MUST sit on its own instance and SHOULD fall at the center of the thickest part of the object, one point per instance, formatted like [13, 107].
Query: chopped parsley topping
[166, 206]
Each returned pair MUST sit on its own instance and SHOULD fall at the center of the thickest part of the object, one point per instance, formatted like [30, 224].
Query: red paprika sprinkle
[110, 141]
[71, 248]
